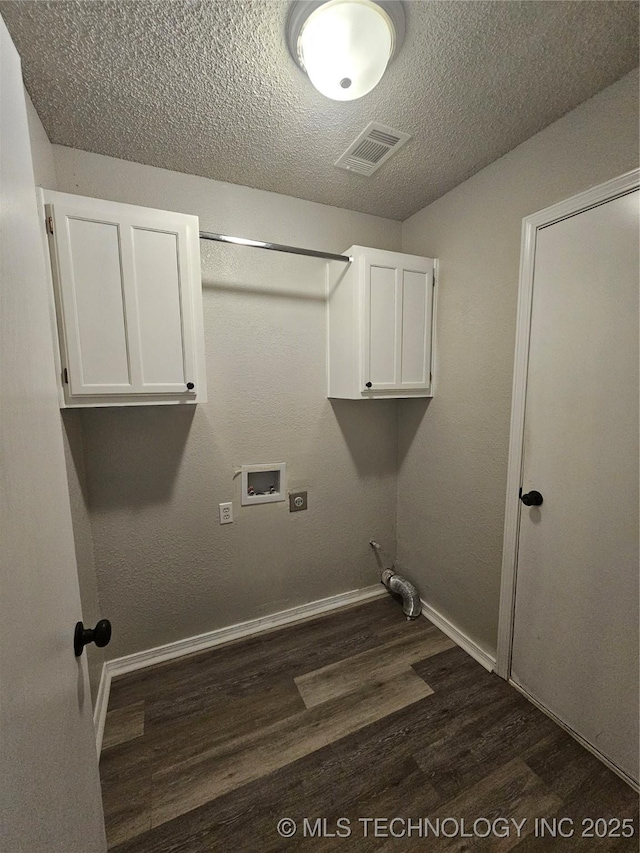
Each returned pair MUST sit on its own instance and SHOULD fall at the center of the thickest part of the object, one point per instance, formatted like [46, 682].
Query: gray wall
[44, 167]
[453, 454]
[166, 569]
[154, 476]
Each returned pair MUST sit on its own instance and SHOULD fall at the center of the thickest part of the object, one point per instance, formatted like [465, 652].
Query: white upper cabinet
[380, 317]
[128, 300]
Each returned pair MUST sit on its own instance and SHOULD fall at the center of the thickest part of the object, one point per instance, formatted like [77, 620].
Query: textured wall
[453, 454]
[166, 568]
[44, 167]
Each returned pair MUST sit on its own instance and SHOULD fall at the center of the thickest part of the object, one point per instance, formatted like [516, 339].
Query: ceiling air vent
[372, 148]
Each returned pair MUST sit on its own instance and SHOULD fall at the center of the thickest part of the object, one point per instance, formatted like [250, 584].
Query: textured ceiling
[209, 88]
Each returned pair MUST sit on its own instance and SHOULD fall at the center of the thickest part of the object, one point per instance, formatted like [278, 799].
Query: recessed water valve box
[262, 484]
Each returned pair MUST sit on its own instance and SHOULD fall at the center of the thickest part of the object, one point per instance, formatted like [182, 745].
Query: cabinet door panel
[382, 341]
[416, 329]
[127, 289]
[160, 310]
[94, 305]
[380, 325]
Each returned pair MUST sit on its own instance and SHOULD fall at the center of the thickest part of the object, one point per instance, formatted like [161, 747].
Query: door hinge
[65, 376]
[49, 224]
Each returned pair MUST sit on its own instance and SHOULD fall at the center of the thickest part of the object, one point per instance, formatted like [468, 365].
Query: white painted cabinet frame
[128, 301]
[380, 321]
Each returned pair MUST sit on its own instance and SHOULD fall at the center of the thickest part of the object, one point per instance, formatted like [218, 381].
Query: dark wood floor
[355, 715]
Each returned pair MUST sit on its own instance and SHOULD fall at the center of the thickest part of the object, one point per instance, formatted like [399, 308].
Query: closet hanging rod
[274, 247]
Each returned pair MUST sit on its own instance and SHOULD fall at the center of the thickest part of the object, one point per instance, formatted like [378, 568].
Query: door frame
[620, 186]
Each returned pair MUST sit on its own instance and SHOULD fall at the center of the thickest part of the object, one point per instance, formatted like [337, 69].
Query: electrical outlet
[226, 513]
[297, 501]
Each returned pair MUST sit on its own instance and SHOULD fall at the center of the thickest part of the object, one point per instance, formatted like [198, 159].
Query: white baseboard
[100, 708]
[149, 657]
[201, 642]
[483, 657]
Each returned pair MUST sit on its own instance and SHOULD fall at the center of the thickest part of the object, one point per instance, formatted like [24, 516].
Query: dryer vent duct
[372, 148]
[411, 605]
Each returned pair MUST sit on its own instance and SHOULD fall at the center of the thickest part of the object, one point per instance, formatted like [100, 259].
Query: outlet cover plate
[297, 501]
[226, 513]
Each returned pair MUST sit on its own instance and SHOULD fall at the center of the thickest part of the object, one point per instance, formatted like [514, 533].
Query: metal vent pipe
[411, 604]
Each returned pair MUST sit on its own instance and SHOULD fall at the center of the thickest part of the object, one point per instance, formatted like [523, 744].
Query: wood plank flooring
[355, 715]
[123, 724]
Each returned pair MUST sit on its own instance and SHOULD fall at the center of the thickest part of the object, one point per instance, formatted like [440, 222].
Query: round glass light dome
[345, 46]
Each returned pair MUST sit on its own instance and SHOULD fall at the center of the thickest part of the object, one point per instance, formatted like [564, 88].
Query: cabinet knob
[190, 386]
[368, 384]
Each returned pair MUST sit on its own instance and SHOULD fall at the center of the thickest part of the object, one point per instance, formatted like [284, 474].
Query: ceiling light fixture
[345, 45]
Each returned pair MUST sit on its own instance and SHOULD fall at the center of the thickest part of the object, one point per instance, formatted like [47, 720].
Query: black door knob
[532, 499]
[368, 384]
[100, 635]
[190, 386]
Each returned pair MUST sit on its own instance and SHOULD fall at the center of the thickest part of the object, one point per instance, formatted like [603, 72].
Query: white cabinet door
[382, 307]
[93, 303]
[415, 324]
[127, 283]
[163, 334]
[398, 304]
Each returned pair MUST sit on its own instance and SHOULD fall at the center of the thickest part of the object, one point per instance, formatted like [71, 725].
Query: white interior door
[50, 790]
[575, 640]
